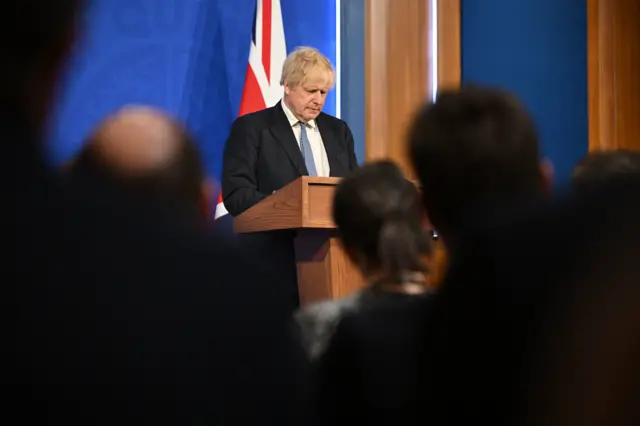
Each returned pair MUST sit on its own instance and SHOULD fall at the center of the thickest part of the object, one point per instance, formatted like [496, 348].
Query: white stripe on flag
[221, 210]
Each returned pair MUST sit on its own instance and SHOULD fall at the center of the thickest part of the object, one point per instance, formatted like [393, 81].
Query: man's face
[307, 99]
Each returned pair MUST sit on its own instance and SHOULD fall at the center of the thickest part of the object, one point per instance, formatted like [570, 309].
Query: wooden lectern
[324, 270]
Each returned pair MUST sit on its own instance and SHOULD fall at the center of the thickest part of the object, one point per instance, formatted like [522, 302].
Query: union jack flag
[267, 53]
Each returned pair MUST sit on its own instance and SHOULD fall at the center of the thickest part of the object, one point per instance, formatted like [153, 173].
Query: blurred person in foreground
[598, 167]
[518, 267]
[476, 153]
[379, 218]
[381, 224]
[111, 314]
[589, 372]
[150, 157]
[548, 336]
[537, 325]
[475, 147]
[472, 148]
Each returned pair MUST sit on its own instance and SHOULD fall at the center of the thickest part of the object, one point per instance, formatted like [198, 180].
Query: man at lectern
[269, 149]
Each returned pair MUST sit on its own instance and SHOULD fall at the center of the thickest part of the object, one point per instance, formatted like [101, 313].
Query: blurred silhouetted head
[598, 167]
[38, 38]
[473, 145]
[146, 154]
[379, 218]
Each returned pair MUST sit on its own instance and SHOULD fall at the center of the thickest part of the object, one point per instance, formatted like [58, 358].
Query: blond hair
[301, 62]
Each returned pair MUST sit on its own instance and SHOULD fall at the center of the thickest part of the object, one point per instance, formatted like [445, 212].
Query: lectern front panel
[320, 199]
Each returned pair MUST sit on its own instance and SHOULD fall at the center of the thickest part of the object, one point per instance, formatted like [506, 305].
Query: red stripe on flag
[252, 98]
[266, 38]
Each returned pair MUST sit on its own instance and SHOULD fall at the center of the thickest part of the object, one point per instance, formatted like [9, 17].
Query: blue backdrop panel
[188, 57]
[538, 49]
[352, 41]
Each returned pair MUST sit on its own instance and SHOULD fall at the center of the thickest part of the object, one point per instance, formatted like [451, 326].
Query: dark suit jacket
[262, 155]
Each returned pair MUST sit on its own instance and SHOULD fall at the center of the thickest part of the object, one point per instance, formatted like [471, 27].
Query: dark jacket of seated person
[378, 216]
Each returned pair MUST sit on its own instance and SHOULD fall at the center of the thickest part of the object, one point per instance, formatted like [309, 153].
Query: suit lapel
[283, 133]
[331, 146]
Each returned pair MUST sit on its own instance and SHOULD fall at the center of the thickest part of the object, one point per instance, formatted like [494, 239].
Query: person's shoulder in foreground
[129, 316]
[114, 315]
[368, 372]
[503, 282]
[315, 324]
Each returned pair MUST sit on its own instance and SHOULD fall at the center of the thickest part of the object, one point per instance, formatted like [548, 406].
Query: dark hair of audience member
[379, 218]
[176, 183]
[598, 167]
[470, 146]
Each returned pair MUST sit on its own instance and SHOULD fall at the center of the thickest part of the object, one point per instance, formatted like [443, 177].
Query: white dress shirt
[315, 140]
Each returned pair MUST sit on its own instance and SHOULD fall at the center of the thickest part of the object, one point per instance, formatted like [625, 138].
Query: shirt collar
[292, 118]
